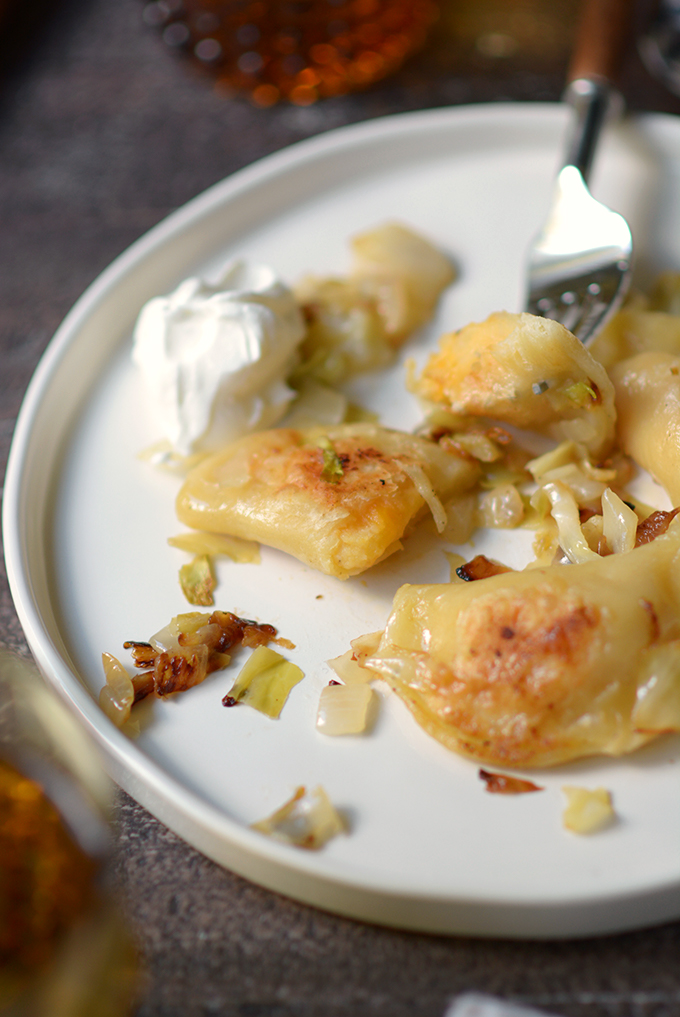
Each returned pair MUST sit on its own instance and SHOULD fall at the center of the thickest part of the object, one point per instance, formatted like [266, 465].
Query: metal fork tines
[580, 265]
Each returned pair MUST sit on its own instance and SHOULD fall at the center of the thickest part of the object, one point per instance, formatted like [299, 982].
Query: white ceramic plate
[86, 522]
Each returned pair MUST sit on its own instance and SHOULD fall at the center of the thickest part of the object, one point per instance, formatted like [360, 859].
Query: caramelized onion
[481, 567]
[118, 695]
[502, 784]
[653, 526]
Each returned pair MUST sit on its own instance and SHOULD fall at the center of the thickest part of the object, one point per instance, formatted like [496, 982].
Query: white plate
[86, 522]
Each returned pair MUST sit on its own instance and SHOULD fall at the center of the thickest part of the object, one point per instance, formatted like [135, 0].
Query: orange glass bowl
[300, 50]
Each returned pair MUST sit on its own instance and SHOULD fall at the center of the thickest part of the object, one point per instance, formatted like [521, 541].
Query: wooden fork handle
[602, 35]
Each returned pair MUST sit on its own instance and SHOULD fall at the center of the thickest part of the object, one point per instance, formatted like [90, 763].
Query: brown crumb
[502, 784]
[285, 643]
[653, 526]
[481, 567]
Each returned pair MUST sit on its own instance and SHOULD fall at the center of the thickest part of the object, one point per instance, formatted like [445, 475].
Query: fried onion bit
[481, 567]
[192, 646]
[502, 784]
[654, 525]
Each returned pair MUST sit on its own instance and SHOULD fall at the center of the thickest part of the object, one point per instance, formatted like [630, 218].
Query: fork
[580, 264]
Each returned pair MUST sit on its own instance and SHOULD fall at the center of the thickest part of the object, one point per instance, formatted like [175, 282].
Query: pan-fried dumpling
[538, 667]
[358, 322]
[527, 371]
[648, 408]
[338, 498]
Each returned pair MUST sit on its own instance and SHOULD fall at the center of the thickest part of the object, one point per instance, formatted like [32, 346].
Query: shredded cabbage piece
[581, 393]
[265, 681]
[587, 811]
[476, 444]
[619, 523]
[546, 543]
[593, 531]
[344, 709]
[348, 669]
[502, 507]
[308, 820]
[461, 518]
[426, 492]
[200, 542]
[197, 581]
[332, 467]
[565, 454]
[587, 491]
[118, 695]
[316, 404]
[564, 511]
[187, 624]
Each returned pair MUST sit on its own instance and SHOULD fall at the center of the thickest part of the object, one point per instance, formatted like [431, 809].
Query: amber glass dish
[300, 50]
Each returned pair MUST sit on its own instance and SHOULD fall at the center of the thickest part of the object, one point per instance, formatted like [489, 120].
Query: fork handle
[602, 35]
[601, 38]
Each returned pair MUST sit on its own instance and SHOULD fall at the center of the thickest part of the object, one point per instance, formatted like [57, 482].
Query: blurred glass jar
[64, 951]
[300, 50]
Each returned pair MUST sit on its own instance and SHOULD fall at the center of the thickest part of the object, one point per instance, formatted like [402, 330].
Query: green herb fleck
[581, 393]
[332, 467]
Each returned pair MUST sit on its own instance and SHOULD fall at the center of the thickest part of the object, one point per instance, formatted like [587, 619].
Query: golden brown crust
[276, 487]
[526, 371]
[535, 668]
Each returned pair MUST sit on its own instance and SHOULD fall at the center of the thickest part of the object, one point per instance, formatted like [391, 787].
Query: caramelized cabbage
[217, 544]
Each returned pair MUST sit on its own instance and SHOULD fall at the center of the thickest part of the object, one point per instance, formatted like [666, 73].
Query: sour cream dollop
[215, 355]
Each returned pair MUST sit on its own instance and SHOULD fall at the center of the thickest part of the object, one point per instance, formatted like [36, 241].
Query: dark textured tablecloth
[102, 132]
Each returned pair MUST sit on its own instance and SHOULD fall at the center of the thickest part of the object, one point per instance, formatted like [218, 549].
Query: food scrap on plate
[188, 649]
[307, 820]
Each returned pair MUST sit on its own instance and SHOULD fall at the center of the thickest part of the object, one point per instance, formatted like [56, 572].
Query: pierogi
[648, 404]
[526, 371]
[538, 667]
[339, 498]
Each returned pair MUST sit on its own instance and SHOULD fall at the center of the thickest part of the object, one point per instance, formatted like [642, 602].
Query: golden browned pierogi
[339, 498]
[535, 668]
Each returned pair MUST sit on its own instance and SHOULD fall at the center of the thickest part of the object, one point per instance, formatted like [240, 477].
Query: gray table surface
[102, 133]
